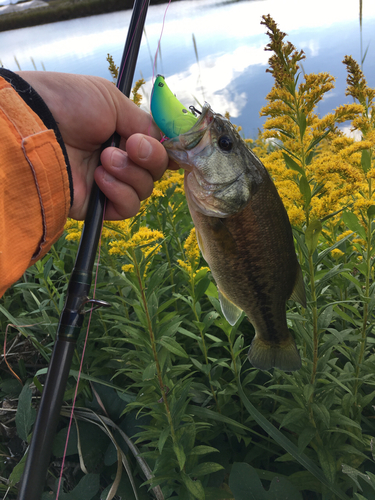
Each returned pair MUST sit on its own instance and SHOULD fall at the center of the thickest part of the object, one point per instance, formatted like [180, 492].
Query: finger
[122, 199]
[132, 119]
[118, 164]
[148, 153]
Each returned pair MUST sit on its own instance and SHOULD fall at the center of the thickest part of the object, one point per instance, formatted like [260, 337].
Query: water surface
[230, 72]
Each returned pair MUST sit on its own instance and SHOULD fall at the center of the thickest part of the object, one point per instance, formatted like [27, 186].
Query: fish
[244, 234]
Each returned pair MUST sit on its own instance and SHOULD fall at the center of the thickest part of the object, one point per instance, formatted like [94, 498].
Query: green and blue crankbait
[167, 111]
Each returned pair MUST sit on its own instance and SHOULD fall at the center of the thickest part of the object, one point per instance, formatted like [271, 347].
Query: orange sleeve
[34, 187]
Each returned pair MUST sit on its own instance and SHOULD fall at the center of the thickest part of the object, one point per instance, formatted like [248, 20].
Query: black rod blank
[72, 316]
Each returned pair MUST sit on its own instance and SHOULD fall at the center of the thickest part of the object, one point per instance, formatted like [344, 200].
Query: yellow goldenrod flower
[336, 253]
[137, 97]
[169, 179]
[192, 255]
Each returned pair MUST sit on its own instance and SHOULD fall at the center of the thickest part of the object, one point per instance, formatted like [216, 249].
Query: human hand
[88, 110]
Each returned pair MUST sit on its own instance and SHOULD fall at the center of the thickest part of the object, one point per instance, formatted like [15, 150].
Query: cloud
[312, 46]
[211, 80]
[354, 134]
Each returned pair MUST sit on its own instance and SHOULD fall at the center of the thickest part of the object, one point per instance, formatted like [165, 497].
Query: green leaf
[302, 124]
[195, 487]
[201, 288]
[282, 489]
[308, 160]
[47, 268]
[312, 235]
[305, 190]
[203, 450]
[245, 483]
[205, 413]
[295, 415]
[290, 163]
[351, 220]
[156, 278]
[327, 463]
[180, 454]
[86, 489]
[371, 212]
[366, 160]
[149, 372]
[25, 416]
[60, 441]
[211, 291]
[344, 316]
[284, 132]
[288, 446]
[321, 414]
[305, 437]
[325, 252]
[316, 141]
[173, 346]
[163, 437]
[16, 474]
[206, 468]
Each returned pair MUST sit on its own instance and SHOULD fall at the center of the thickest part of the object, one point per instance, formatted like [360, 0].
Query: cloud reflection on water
[230, 42]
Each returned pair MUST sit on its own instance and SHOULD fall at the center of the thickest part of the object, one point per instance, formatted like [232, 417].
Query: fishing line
[131, 40]
[99, 250]
[158, 47]
[154, 66]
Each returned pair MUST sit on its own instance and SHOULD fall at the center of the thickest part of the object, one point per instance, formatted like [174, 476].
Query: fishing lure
[169, 114]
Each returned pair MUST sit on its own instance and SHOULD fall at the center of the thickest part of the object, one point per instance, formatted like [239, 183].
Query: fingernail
[144, 149]
[118, 159]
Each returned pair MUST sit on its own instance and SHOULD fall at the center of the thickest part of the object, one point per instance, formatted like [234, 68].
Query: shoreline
[62, 10]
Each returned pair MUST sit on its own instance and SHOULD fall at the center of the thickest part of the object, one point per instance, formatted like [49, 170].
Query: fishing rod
[77, 300]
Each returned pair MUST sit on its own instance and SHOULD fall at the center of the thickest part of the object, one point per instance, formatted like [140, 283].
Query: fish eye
[225, 143]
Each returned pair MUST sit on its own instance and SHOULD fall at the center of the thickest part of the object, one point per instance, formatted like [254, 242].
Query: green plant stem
[167, 254]
[176, 235]
[315, 320]
[365, 306]
[154, 351]
[204, 348]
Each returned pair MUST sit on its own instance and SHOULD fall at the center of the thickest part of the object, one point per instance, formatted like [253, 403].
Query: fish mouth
[184, 147]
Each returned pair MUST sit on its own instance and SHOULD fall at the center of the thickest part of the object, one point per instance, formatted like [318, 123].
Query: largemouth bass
[244, 234]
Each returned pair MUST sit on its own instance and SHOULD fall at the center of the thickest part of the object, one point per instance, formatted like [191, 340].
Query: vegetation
[166, 391]
[62, 10]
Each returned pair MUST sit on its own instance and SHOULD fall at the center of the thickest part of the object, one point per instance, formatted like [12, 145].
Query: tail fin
[265, 355]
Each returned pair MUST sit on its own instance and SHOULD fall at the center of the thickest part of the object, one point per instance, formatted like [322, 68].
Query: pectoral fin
[299, 294]
[200, 242]
[231, 312]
